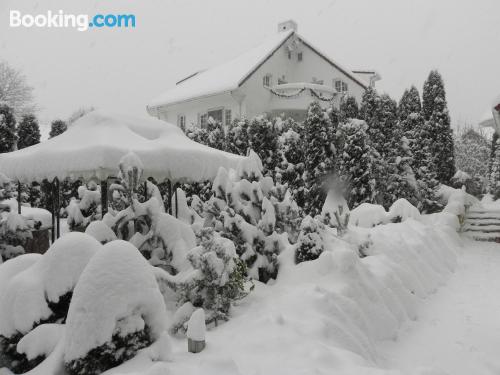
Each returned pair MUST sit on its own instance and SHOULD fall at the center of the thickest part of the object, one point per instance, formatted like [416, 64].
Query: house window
[267, 81]
[289, 55]
[215, 115]
[299, 56]
[203, 120]
[340, 85]
[181, 121]
[227, 117]
[282, 80]
[318, 81]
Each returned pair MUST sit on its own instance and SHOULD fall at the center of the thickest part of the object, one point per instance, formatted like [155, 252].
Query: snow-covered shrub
[472, 185]
[402, 210]
[101, 232]
[14, 231]
[86, 208]
[215, 280]
[161, 238]
[244, 209]
[335, 212]
[310, 243]
[41, 292]
[368, 215]
[116, 310]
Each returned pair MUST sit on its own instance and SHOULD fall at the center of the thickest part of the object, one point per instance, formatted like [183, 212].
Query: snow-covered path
[458, 329]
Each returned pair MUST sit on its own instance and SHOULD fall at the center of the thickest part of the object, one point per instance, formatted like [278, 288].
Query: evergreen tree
[357, 163]
[291, 166]
[319, 156]
[7, 129]
[370, 112]
[472, 154]
[435, 112]
[348, 109]
[237, 137]
[28, 132]
[263, 139]
[57, 127]
[494, 180]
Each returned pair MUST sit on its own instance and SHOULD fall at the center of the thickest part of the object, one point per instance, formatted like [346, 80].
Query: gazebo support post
[176, 202]
[19, 192]
[169, 197]
[57, 207]
[146, 190]
[104, 197]
[52, 212]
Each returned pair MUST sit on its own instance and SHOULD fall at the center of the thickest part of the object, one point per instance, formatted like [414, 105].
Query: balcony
[298, 96]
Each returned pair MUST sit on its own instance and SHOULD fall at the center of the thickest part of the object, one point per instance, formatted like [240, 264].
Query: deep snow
[458, 329]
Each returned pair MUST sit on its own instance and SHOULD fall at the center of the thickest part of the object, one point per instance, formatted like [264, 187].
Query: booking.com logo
[81, 22]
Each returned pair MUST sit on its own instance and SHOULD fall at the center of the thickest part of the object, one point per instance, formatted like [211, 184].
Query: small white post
[196, 331]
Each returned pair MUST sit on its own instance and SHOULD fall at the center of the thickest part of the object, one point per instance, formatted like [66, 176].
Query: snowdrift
[327, 315]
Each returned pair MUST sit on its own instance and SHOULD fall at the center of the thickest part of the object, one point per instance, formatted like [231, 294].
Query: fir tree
[7, 129]
[435, 112]
[319, 157]
[57, 127]
[291, 166]
[357, 163]
[472, 154]
[28, 132]
[494, 180]
[237, 137]
[263, 139]
[370, 112]
[348, 109]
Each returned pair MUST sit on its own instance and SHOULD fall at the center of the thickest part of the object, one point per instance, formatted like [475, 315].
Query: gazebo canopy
[93, 146]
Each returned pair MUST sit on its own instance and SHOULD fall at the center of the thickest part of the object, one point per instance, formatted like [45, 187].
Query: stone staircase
[482, 224]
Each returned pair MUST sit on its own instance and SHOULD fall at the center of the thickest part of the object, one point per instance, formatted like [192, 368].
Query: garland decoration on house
[297, 93]
[321, 97]
[288, 96]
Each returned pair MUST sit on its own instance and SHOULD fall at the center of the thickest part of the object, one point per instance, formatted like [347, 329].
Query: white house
[491, 119]
[280, 76]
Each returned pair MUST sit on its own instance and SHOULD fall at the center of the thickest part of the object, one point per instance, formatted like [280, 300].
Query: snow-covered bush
[116, 310]
[86, 208]
[368, 215]
[215, 280]
[249, 210]
[402, 210]
[335, 212]
[38, 292]
[14, 231]
[310, 243]
[472, 185]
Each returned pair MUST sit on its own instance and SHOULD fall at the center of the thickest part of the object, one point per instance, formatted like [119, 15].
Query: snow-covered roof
[232, 74]
[94, 145]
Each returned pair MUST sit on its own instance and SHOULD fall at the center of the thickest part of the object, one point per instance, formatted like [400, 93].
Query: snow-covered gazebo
[93, 146]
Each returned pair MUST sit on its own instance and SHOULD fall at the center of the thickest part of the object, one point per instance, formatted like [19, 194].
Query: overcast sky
[122, 69]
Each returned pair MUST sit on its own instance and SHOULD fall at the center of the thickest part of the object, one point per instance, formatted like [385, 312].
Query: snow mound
[26, 296]
[100, 231]
[368, 215]
[31, 213]
[457, 200]
[117, 291]
[41, 341]
[402, 210]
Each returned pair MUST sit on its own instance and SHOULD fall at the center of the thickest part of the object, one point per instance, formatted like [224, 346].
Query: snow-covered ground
[458, 328]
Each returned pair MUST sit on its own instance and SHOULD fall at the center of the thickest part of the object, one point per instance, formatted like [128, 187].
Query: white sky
[122, 69]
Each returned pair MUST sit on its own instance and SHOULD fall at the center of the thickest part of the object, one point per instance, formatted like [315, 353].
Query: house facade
[282, 76]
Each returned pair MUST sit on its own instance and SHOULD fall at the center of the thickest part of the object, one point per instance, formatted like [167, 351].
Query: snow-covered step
[482, 225]
[481, 228]
[480, 222]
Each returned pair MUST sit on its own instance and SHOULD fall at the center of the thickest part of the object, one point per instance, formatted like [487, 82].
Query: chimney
[287, 25]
